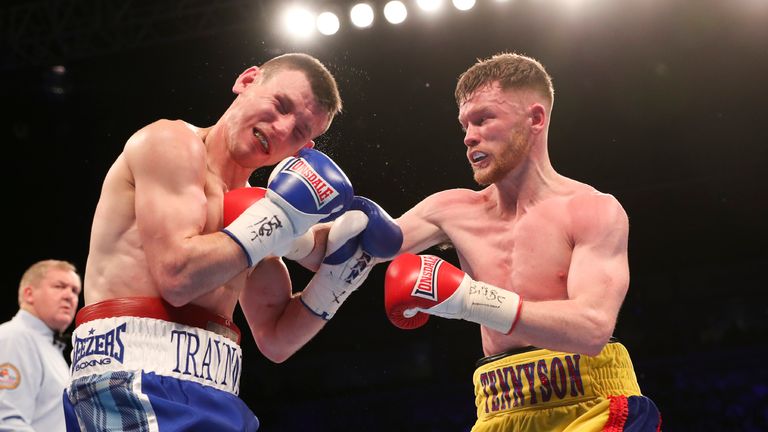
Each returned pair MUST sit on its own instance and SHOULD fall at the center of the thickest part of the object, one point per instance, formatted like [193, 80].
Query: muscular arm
[420, 224]
[598, 280]
[168, 165]
[280, 324]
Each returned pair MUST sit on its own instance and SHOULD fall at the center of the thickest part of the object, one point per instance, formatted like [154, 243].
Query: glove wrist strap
[301, 221]
[492, 307]
[332, 284]
[260, 230]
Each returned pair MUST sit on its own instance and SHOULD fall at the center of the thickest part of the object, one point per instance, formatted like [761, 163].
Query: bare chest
[214, 195]
[530, 255]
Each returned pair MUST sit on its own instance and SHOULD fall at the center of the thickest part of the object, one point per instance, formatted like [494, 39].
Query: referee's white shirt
[33, 375]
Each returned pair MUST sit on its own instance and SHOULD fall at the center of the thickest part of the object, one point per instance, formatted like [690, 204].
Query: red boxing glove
[417, 285]
[237, 200]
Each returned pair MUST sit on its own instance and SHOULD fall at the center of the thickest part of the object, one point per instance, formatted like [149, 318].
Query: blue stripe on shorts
[642, 416]
[109, 402]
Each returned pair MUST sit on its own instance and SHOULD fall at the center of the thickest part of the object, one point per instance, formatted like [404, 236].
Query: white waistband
[152, 345]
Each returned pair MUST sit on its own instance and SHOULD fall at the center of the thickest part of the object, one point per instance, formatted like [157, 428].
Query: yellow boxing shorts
[543, 390]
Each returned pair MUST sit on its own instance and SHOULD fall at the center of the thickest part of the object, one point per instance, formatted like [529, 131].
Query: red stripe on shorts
[617, 416]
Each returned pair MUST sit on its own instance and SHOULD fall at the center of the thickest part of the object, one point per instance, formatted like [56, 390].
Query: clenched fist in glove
[417, 285]
[357, 240]
[302, 191]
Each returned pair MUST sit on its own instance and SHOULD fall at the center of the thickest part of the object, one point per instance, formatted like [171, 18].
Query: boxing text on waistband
[543, 378]
[533, 383]
[164, 348]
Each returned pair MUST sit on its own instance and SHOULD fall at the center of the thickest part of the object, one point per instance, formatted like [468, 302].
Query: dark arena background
[661, 103]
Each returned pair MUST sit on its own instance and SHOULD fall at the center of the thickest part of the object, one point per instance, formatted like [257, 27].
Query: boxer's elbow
[273, 350]
[174, 284]
[278, 357]
[592, 348]
[596, 333]
[176, 298]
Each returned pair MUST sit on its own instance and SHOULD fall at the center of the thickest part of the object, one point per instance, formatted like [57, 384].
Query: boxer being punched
[544, 267]
[177, 240]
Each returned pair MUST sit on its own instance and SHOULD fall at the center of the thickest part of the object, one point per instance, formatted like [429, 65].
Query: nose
[471, 138]
[73, 298]
[284, 125]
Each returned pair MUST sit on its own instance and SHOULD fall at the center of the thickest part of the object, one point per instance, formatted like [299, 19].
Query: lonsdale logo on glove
[322, 192]
[426, 284]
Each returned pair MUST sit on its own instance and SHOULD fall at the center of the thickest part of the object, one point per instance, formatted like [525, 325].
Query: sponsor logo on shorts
[105, 347]
[532, 383]
[10, 377]
[214, 360]
[321, 191]
[426, 284]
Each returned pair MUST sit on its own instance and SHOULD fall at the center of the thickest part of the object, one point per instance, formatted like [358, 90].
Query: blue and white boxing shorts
[140, 364]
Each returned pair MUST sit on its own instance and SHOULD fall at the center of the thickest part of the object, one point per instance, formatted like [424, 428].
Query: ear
[27, 295]
[245, 79]
[538, 117]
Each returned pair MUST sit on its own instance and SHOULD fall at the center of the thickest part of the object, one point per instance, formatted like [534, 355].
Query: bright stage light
[361, 15]
[327, 23]
[430, 5]
[464, 5]
[299, 21]
[395, 12]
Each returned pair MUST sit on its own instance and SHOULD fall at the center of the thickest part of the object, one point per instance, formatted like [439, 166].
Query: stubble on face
[504, 162]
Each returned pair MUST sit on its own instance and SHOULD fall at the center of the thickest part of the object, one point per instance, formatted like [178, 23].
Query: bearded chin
[505, 163]
[486, 177]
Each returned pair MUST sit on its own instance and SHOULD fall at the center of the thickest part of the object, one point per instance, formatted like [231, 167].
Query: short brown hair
[37, 271]
[321, 81]
[511, 71]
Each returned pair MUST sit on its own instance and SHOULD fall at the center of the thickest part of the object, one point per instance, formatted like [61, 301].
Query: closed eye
[281, 108]
[302, 132]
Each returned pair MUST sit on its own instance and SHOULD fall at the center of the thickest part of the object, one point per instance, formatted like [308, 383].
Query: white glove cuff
[493, 307]
[260, 230]
[321, 298]
[301, 221]
[332, 284]
[478, 302]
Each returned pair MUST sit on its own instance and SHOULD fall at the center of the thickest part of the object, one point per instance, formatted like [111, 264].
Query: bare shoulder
[454, 197]
[171, 142]
[174, 134]
[449, 200]
[592, 210]
[594, 200]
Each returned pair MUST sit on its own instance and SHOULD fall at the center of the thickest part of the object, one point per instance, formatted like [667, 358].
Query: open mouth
[262, 139]
[477, 156]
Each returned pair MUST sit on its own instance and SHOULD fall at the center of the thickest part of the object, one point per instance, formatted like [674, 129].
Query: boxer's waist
[147, 334]
[157, 308]
[518, 350]
[542, 378]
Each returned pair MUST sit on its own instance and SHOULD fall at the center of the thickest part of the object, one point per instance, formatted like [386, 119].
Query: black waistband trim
[515, 351]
